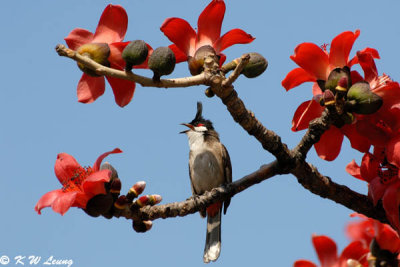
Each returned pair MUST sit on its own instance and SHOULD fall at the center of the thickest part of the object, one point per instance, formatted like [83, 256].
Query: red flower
[187, 41]
[110, 30]
[366, 229]
[79, 183]
[316, 65]
[383, 182]
[327, 253]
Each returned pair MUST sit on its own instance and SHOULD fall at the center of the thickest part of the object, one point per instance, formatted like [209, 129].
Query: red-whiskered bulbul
[209, 167]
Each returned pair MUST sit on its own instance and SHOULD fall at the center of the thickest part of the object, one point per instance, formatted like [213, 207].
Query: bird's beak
[187, 125]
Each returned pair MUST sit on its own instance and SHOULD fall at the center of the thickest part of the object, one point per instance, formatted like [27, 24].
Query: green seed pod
[135, 53]
[336, 75]
[361, 100]
[196, 62]
[98, 52]
[256, 65]
[162, 62]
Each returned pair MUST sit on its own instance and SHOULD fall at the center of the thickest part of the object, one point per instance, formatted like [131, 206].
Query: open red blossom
[316, 63]
[79, 183]
[327, 253]
[111, 30]
[367, 229]
[186, 40]
[383, 181]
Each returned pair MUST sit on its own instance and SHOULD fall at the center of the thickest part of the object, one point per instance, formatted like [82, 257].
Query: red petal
[90, 88]
[369, 167]
[47, 200]
[340, 48]
[376, 189]
[78, 37]
[390, 92]
[112, 25]
[115, 57]
[368, 65]
[328, 147]
[94, 184]
[181, 34]
[123, 90]
[390, 203]
[296, 77]
[235, 36]
[312, 59]
[354, 170]
[387, 238]
[304, 263]
[209, 23]
[65, 167]
[393, 151]
[356, 77]
[64, 201]
[369, 50]
[306, 112]
[222, 58]
[326, 250]
[355, 250]
[357, 140]
[316, 90]
[375, 134]
[179, 55]
[96, 165]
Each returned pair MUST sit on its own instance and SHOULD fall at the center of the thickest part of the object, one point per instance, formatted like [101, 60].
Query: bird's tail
[213, 237]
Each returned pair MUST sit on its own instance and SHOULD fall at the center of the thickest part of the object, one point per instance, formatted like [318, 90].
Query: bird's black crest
[199, 115]
[199, 118]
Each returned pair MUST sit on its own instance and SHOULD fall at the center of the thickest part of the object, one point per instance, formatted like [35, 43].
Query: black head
[198, 120]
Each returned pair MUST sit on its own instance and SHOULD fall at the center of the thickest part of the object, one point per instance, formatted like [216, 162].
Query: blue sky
[269, 224]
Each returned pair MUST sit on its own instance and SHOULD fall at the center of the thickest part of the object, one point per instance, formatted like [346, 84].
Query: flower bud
[99, 205]
[98, 52]
[115, 186]
[256, 66]
[121, 202]
[136, 190]
[162, 62]
[209, 92]
[142, 226]
[148, 200]
[336, 75]
[135, 53]
[329, 98]
[361, 100]
[197, 61]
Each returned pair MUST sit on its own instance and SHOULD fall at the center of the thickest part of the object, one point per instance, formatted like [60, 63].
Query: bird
[209, 167]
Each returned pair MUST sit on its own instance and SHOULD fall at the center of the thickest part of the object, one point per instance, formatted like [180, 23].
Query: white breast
[205, 171]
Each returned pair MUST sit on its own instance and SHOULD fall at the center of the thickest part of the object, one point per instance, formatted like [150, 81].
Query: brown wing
[226, 161]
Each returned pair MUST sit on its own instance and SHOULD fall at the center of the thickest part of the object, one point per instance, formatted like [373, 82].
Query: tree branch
[197, 203]
[200, 79]
[288, 161]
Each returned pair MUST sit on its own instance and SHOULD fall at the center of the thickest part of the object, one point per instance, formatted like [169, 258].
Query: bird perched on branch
[209, 167]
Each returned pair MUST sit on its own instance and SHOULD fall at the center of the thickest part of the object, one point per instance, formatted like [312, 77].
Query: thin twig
[236, 72]
[200, 79]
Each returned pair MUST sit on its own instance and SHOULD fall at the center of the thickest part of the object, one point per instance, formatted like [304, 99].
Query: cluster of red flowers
[110, 33]
[105, 46]
[371, 241]
[378, 129]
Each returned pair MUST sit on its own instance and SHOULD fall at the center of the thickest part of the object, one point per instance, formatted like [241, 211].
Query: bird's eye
[200, 124]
